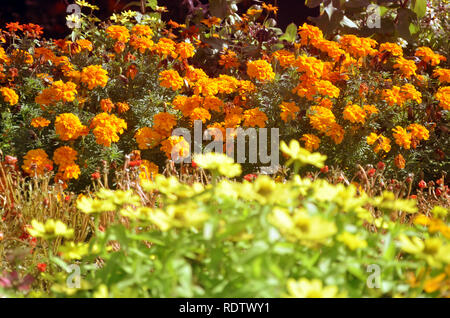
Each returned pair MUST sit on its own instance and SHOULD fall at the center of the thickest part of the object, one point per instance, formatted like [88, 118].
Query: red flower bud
[42, 267]
[381, 165]
[135, 163]
[250, 177]
[95, 175]
[371, 172]
[324, 169]
[422, 184]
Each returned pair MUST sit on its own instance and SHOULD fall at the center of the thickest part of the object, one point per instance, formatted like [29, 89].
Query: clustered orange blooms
[224, 101]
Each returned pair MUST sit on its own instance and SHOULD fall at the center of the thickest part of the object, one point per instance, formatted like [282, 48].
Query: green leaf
[291, 33]
[419, 7]
[152, 4]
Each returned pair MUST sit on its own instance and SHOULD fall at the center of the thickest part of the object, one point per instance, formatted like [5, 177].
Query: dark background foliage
[50, 14]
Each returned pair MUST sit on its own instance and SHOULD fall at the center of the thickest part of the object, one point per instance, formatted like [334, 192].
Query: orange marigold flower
[206, 86]
[142, 30]
[9, 95]
[392, 96]
[359, 47]
[85, 44]
[211, 21]
[443, 74]
[14, 27]
[429, 56]
[64, 156]
[165, 47]
[418, 132]
[370, 109]
[443, 96]
[200, 113]
[321, 118]
[336, 132]
[409, 92]
[171, 79]
[119, 33]
[261, 70]
[69, 127]
[140, 43]
[380, 142]
[122, 107]
[400, 161]
[393, 48]
[270, 8]
[147, 138]
[408, 68]
[58, 91]
[213, 103]
[288, 111]
[35, 162]
[402, 137]
[175, 147]
[106, 105]
[311, 66]
[148, 170]
[354, 113]
[93, 76]
[106, 128]
[40, 122]
[254, 117]
[229, 60]
[285, 57]
[163, 123]
[185, 50]
[71, 171]
[22, 56]
[312, 142]
[309, 34]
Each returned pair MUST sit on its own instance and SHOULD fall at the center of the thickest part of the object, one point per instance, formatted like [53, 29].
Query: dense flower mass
[93, 127]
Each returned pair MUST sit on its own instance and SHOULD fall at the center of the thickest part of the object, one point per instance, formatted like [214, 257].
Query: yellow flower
[69, 127]
[304, 288]
[171, 79]
[93, 76]
[40, 122]
[359, 47]
[36, 162]
[218, 162]
[261, 70]
[148, 170]
[71, 171]
[312, 142]
[270, 8]
[200, 113]
[301, 155]
[352, 241]
[393, 48]
[409, 92]
[140, 43]
[51, 229]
